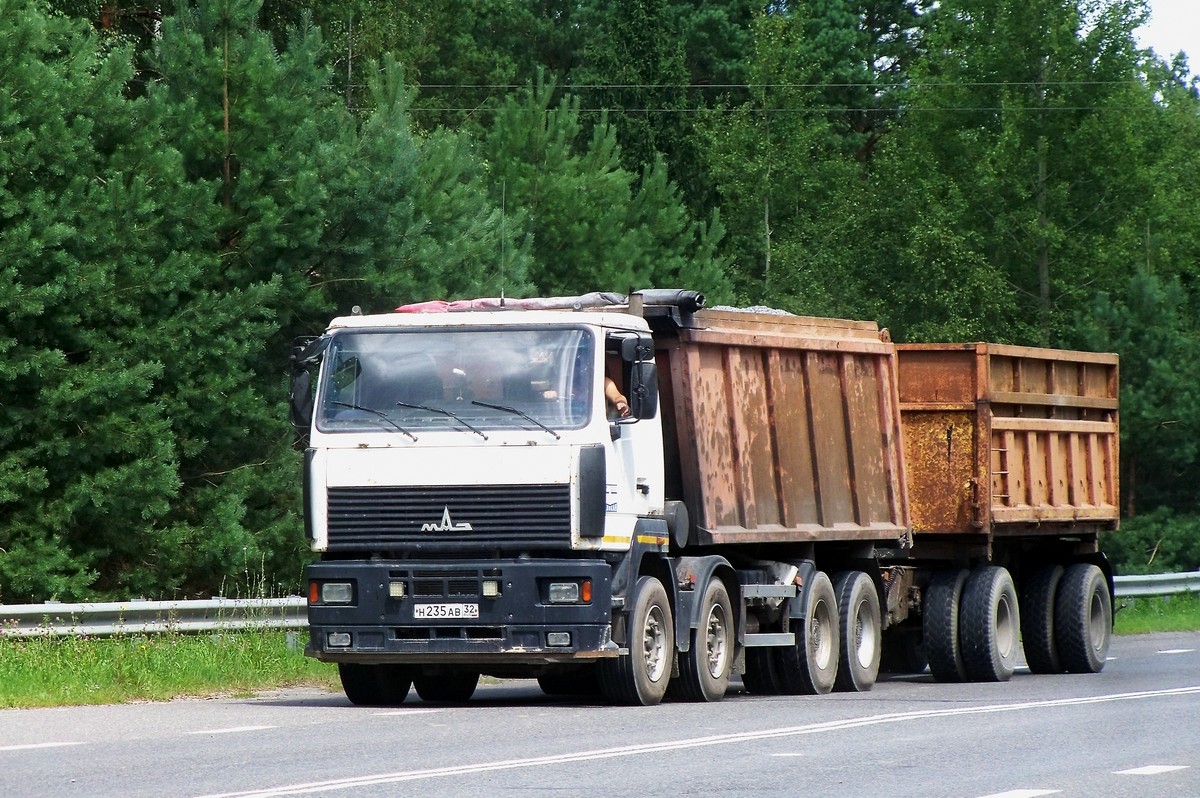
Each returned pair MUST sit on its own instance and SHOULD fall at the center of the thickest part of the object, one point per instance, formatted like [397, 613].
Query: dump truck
[795, 501]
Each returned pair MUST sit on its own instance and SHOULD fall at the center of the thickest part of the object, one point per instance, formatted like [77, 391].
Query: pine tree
[97, 225]
[316, 213]
[594, 225]
[776, 166]
[1153, 324]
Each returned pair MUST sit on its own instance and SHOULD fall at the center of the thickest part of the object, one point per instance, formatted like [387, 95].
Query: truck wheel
[761, 676]
[989, 624]
[641, 676]
[704, 669]
[1038, 595]
[1083, 619]
[939, 626]
[859, 626]
[446, 687]
[810, 666]
[375, 685]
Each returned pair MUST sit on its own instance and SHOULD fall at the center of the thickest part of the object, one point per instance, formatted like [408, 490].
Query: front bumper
[518, 626]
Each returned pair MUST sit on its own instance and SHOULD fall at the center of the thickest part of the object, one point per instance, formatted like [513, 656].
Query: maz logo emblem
[447, 525]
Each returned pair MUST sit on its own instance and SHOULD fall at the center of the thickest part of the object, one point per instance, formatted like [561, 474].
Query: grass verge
[1178, 613]
[57, 671]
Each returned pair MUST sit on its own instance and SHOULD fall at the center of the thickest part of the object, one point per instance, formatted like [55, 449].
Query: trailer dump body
[786, 428]
[1002, 440]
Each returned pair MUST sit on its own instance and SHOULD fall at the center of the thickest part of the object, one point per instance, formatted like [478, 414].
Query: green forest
[186, 188]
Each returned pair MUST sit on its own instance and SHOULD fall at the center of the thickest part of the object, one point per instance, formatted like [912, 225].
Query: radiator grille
[447, 583]
[450, 517]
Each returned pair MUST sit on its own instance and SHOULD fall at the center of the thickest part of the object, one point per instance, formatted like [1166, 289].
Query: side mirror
[643, 389]
[302, 401]
[306, 354]
[636, 349]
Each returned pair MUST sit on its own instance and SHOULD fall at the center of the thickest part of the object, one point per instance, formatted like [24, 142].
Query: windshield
[406, 382]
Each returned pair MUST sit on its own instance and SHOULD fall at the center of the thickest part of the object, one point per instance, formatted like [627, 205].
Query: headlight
[337, 592]
[564, 593]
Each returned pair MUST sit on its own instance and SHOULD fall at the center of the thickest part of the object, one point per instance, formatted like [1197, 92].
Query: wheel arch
[698, 572]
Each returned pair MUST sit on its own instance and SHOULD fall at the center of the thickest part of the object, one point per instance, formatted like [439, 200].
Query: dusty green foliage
[1159, 542]
[180, 197]
[78, 670]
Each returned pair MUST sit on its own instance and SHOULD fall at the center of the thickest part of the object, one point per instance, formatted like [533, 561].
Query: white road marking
[789, 754]
[1021, 794]
[685, 744]
[1177, 651]
[1150, 770]
[232, 730]
[30, 746]
[395, 712]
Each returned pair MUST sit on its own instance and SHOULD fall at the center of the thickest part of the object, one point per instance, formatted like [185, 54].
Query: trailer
[794, 500]
[1012, 457]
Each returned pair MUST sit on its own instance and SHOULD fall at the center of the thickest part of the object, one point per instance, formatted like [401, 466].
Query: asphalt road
[1132, 730]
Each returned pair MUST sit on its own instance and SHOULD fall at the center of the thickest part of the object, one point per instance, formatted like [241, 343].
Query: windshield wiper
[379, 413]
[520, 413]
[445, 412]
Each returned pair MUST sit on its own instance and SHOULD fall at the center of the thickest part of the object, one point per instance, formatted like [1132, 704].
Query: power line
[818, 110]
[775, 86]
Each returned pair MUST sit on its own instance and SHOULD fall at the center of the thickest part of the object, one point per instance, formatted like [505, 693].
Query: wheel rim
[653, 643]
[1096, 625]
[822, 642]
[717, 644]
[864, 640]
[1006, 628]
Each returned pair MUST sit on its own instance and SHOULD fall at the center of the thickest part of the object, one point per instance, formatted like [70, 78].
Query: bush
[1159, 542]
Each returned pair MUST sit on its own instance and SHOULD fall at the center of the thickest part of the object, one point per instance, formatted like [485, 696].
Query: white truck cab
[471, 492]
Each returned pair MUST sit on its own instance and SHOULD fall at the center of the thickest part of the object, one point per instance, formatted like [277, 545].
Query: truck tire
[704, 669]
[1038, 594]
[810, 666]
[446, 687]
[860, 629]
[1083, 619]
[375, 685]
[761, 677]
[939, 625]
[989, 625]
[642, 675]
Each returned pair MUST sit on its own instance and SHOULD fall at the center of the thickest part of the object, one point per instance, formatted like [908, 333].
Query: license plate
[445, 611]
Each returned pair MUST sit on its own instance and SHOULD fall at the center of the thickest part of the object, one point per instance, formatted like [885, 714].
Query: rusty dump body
[782, 429]
[1009, 441]
[790, 429]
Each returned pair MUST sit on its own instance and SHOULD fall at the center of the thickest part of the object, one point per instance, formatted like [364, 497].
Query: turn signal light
[330, 592]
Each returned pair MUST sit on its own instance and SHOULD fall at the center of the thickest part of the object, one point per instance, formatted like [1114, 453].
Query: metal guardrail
[1157, 584]
[151, 617]
[221, 614]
